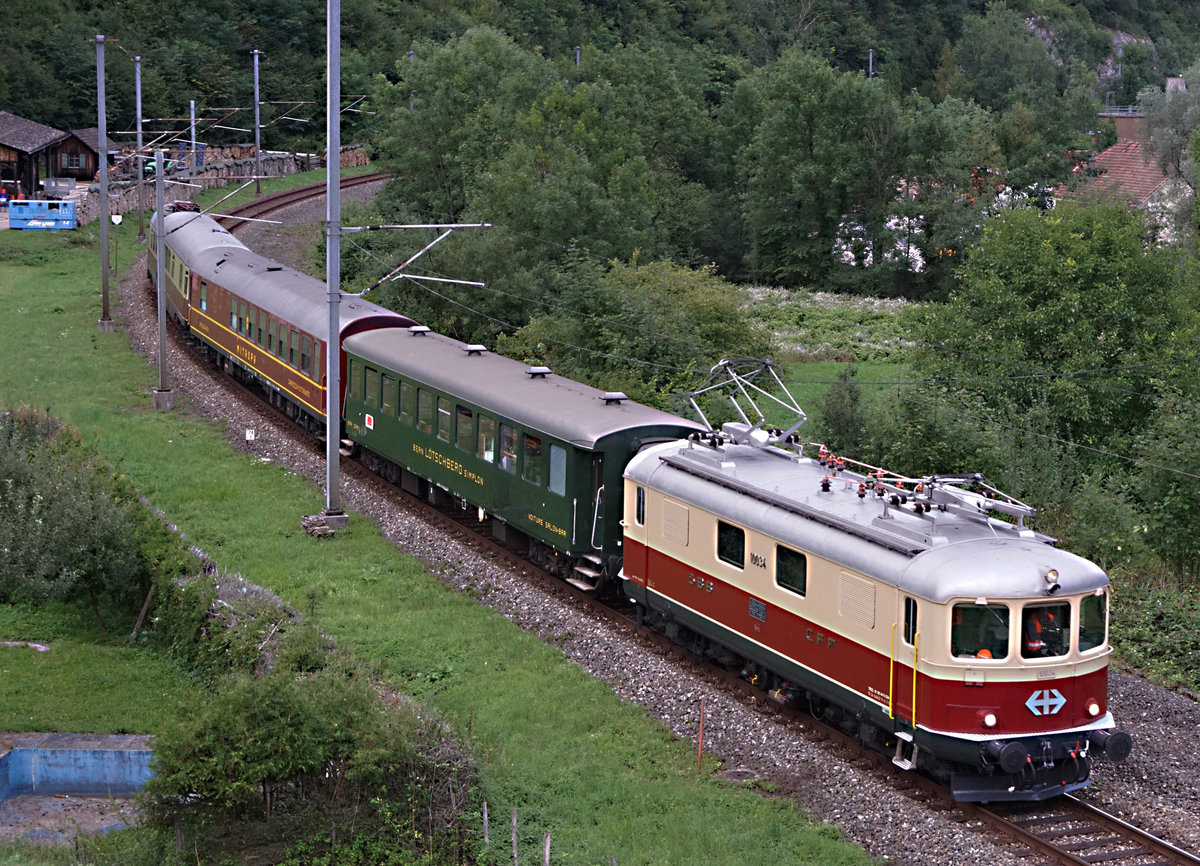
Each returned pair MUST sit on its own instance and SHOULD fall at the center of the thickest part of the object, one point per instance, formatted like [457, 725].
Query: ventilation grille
[675, 522]
[856, 600]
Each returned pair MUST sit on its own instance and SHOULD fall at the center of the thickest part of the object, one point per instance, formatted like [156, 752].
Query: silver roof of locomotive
[961, 551]
[210, 251]
[557, 406]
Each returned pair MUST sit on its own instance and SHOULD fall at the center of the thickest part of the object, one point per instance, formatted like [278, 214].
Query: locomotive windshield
[979, 631]
[1045, 630]
[1093, 622]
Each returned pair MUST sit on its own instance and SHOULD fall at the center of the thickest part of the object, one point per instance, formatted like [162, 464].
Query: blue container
[42, 215]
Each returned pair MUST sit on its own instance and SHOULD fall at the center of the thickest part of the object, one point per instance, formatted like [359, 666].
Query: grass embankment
[554, 744]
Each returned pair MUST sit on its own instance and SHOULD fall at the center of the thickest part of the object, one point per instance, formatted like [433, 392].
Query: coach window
[508, 448]
[558, 470]
[485, 448]
[233, 315]
[791, 570]
[531, 464]
[389, 396]
[354, 386]
[203, 296]
[464, 433]
[293, 348]
[639, 509]
[444, 419]
[272, 326]
[424, 410]
[979, 631]
[910, 621]
[306, 355]
[371, 397]
[408, 401]
[731, 544]
[1093, 621]
[262, 328]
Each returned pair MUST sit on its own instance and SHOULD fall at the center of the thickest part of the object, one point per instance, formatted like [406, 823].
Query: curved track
[1067, 830]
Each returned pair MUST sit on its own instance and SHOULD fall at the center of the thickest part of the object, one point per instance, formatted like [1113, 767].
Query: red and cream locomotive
[919, 613]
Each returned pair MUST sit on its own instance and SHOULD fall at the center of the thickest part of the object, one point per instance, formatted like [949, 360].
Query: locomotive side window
[639, 509]
[444, 419]
[306, 355]
[979, 631]
[465, 434]
[408, 401]
[791, 570]
[910, 620]
[389, 396]
[558, 470]
[508, 448]
[424, 411]
[1093, 622]
[731, 544]
[486, 447]
[1045, 630]
[371, 397]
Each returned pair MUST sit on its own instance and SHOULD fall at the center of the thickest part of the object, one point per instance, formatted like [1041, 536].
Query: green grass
[553, 743]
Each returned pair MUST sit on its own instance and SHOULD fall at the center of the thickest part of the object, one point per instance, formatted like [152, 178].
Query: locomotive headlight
[988, 720]
[1051, 578]
[1093, 708]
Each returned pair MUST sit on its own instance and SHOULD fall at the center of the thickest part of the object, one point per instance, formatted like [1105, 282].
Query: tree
[823, 160]
[1000, 55]
[1070, 309]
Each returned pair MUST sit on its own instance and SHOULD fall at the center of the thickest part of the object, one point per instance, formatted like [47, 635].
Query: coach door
[597, 485]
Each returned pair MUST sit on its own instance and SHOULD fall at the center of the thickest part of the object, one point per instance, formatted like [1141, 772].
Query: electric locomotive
[919, 613]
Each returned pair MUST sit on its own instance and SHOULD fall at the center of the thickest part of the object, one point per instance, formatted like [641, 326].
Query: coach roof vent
[474, 349]
[418, 330]
[538, 372]
[613, 398]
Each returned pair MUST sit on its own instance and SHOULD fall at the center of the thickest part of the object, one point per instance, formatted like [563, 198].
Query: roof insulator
[418, 330]
[474, 349]
[538, 372]
[613, 398]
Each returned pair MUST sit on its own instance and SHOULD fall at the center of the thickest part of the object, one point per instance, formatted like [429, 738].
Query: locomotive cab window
[731, 544]
[464, 435]
[486, 442]
[531, 460]
[910, 620]
[791, 570]
[558, 470]
[1093, 622]
[1045, 630]
[979, 631]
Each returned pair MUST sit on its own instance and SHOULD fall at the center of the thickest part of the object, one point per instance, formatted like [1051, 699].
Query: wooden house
[78, 155]
[26, 153]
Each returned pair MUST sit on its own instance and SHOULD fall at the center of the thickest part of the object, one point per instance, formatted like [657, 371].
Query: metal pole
[141, 175]
[163, 398]
[333, 264]
[195, 166]
[105, 323]
[257, 130]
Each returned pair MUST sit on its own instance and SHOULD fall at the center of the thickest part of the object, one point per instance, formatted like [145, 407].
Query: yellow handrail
[916, 637]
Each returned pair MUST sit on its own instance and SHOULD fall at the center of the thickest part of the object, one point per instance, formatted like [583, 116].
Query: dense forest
[639, 160]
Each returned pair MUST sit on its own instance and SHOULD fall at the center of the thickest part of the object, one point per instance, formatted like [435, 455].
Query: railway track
[1067, 830]
[267, 204]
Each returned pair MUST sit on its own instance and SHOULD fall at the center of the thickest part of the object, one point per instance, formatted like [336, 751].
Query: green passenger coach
[539, 455]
